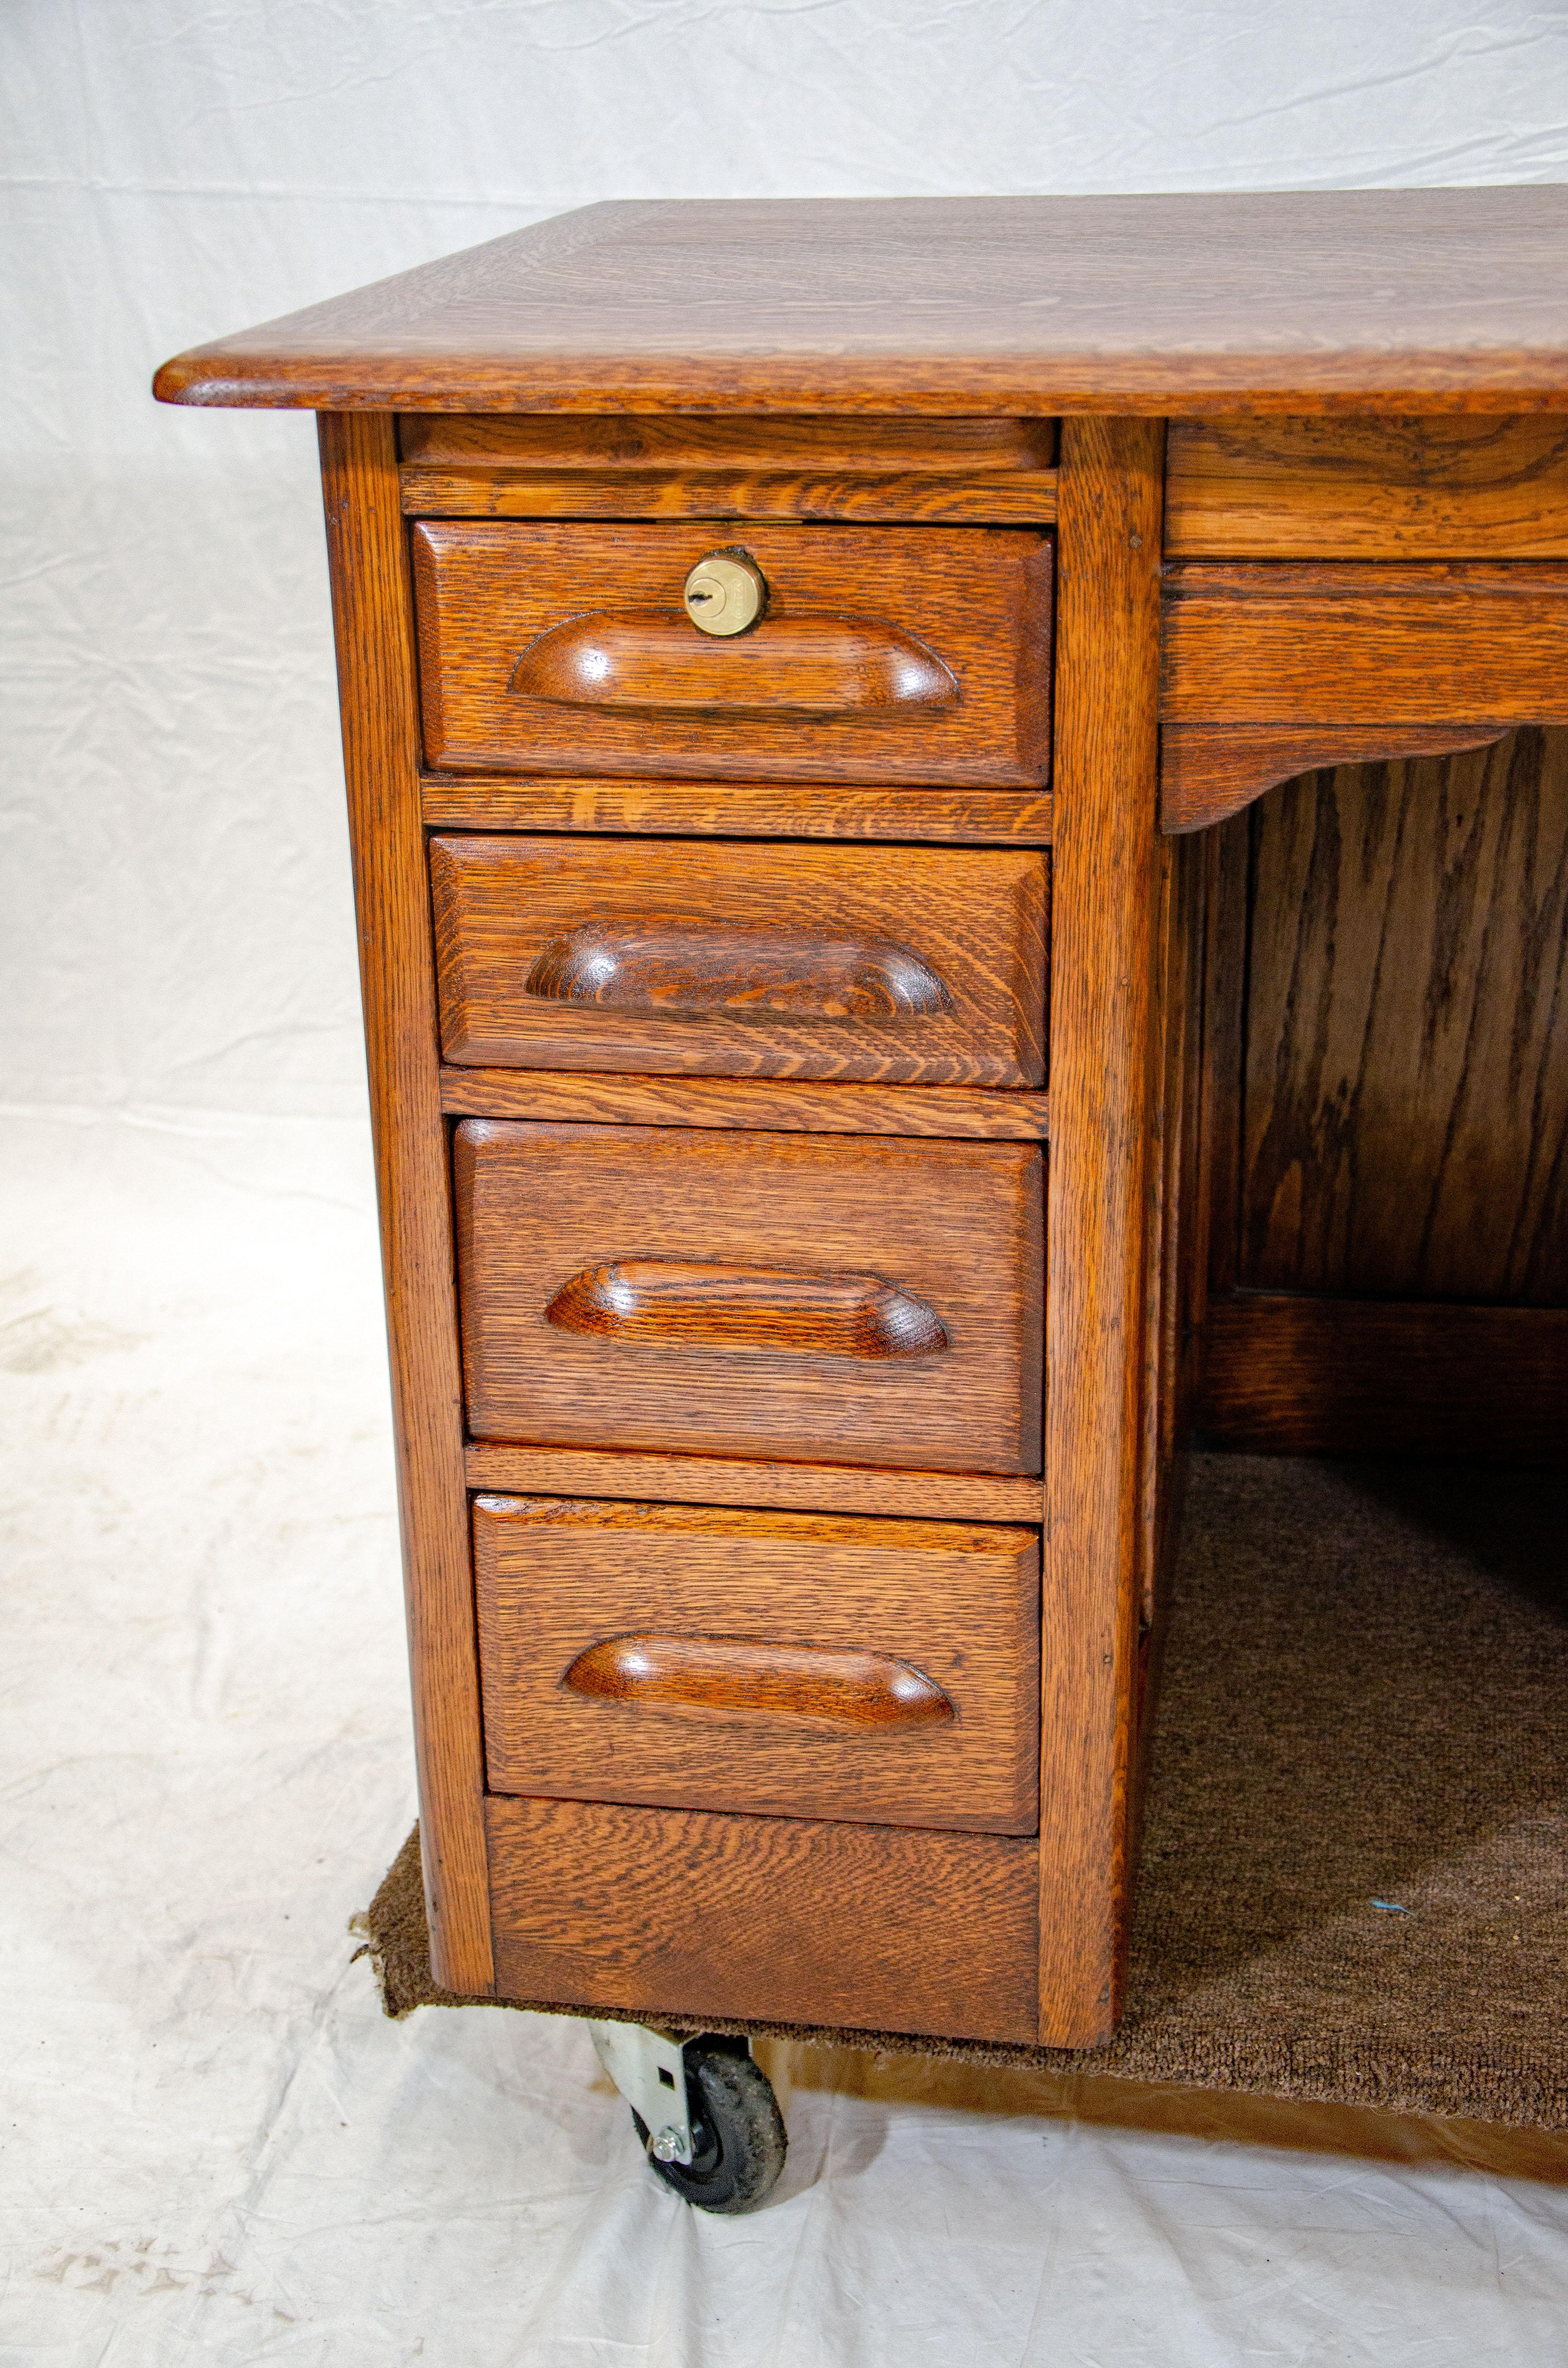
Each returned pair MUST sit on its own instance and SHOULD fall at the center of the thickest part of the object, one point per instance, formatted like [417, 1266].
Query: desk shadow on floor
[1354, 1884]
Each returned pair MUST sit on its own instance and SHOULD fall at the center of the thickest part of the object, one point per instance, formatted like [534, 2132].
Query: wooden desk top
[1416, 300]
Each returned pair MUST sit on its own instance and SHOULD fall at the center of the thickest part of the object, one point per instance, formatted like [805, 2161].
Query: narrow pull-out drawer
[829, 1299]
[902, 964]
[791, 1664]
[882, 654]
[777, 1919]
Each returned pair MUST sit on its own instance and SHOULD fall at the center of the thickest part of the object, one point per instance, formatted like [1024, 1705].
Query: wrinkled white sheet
[217, 2150]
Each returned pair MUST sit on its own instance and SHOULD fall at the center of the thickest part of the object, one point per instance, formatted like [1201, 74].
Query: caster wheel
[737, 2132]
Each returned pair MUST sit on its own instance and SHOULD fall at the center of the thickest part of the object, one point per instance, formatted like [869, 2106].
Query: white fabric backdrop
[214, 2149]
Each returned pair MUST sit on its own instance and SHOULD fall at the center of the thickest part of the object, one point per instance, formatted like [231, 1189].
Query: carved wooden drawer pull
[730, 1673]
[786, 666]
[669, 1303]
[628, 966]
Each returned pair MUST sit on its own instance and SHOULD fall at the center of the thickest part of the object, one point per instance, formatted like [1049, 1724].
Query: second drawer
[784, 1663]
[905, 964]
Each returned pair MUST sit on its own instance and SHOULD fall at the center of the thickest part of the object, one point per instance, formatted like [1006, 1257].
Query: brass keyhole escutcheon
[725, 592]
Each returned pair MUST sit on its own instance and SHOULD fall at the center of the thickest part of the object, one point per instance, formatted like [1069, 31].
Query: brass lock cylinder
[725, 592]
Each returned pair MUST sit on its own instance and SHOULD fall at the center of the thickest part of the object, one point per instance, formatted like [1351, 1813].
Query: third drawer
[871, 1300]
[786, 1664]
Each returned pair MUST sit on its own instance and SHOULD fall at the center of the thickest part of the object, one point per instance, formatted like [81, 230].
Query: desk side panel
[373, 618]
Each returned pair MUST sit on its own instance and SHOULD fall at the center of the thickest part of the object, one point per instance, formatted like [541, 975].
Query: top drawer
[885, 653]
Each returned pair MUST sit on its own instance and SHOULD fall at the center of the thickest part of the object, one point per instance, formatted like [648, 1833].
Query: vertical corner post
[378, 678]
[1104, 911]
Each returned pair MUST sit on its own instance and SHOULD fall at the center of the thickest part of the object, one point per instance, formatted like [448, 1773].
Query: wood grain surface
[1299, 1376]
[691, 968]
[1228, 869]
[779, 1918]
[956, 1226]
[746, 1310]
[728, 1480]
[893, 963]
[739, 809]
[1210, 771]
[373, 619]
[786, 669]
[1174, 1256]
[1467, 641]
[632, 444]
[984, 471]
[795, 1666]
[994, 497]
[1348, 488]
[951, 1110]
[1161, 303]
[1405, 1089]
[1105, 900]
[974, 601]
[653, 1669]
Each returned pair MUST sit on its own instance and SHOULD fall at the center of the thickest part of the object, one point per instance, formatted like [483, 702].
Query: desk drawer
[775, 1920]
[896, 963]
[835, 1299]
[791, 1664]
[884, 654]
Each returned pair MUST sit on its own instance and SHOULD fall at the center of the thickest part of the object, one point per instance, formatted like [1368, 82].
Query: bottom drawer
[771, 1919]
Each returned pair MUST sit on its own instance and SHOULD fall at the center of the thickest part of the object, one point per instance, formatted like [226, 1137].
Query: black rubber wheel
[737, 2131]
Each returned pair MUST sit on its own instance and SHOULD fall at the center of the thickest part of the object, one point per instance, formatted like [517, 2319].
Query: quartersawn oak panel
[1406, 1054]
[639, 442]
[958, 1225]
[1287, 1376]
[739, 809]
[959, 1606]
[629, 465]
[682, 1911]
[1345, 488]
[1470, 642]
[983, 1110]
[992, 498]
[727, 1480]
[780, 945]
[977, 599]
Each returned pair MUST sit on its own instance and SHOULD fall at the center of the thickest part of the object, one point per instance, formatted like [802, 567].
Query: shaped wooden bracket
[1208, 771]
[1274, 668]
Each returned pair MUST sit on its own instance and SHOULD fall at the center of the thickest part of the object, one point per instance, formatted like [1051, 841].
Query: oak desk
[794, 657]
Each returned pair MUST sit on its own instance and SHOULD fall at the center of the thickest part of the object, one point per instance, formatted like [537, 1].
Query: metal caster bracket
[649, 2069]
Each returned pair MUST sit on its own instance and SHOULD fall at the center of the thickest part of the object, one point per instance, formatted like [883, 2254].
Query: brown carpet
[1365, 1700]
